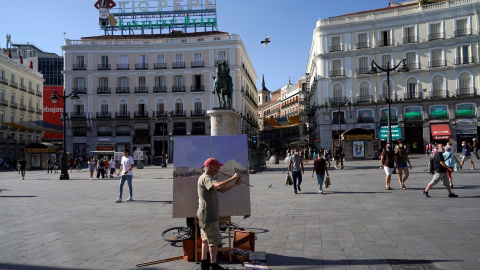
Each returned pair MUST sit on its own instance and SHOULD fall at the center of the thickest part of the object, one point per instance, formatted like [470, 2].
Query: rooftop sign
[148, 15]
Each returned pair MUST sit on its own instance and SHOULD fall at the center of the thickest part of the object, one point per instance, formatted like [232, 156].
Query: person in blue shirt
[467, 155]
[450, 160]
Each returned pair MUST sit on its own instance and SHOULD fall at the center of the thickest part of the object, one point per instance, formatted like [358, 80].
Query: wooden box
[244, 240]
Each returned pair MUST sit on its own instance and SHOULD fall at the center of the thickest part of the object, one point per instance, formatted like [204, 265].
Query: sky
[289, 24]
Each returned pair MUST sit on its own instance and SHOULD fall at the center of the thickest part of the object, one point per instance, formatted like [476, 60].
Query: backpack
[431, 167]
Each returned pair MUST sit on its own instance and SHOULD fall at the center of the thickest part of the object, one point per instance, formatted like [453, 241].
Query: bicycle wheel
[176, 234]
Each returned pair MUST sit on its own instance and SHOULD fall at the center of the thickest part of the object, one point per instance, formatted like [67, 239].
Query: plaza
[48, 223]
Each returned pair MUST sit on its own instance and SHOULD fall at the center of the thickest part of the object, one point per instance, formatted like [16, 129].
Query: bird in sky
[266, 41]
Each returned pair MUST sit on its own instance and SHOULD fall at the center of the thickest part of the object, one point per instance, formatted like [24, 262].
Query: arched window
[198, 108]
[412, 91]
[123, 108]
[179, 107]
[142, 108]
[160, 107]
[104, 107]
[464, 84]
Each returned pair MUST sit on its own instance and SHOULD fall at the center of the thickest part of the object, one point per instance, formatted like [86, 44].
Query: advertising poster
[35, 161]
[466, 110]
[384, 114]
[52, 112]
[365, 116]
[413, 113]
[358, 149]
[439, 112]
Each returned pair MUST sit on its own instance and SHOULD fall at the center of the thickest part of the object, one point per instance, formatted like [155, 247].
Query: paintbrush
[230, 176]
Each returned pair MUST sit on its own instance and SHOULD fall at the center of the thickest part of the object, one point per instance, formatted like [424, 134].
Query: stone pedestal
[224, 122]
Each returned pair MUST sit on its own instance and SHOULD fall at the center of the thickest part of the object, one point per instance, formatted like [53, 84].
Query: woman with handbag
[451, 161]
[320, 168]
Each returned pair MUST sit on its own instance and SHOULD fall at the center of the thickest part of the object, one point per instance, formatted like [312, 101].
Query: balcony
[412, 96]
[467, 92]
[80, 90]
[365, 120]
[180, 88]
[178, 64]
[196, 88]
[438, 94]
[436, 36]
[410, 39]
[463, 32]
[141, 66]
[363, 71]
[104, 133]
[123, 90]
[103, 90]
[23, 107]
[160, 65]
[22, 88]
[78, 115]
[123, 133]
[338, 100]
[337, 73]
[38, 111]
[159, 89]
[385, 42]
[81, 133]
[122, 114]
[141, 89]
[383, 97]
[141, 114]
[31, 91]
[14, 105]
[3, 102]
[159, 114]
[363, 45]
[123, 66]
[413, 65]
[103, 66]
[198, 113]
[14, 84]
[39, 94]
[178, 113]
[4, 81]
[79, 67]
[104, 115]
[336, 48]
[437, 64]
[31, 109]
[365, 99]
[465, 61]
[197, 64]
[219, 62]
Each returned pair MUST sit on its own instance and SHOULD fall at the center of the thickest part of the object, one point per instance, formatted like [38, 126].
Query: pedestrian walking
[49, 165]
[91, 167]
[440, 173]
[22, 165]
[112, 164]
[328, 156]
[208, 213]
[320, 168]
[467, 155]
[55, 165]
[339, 157]
[296, 165]
[126, 167]
[401, 157]
[415, 147]
[387, 163]
[450, 160]
[100, 168]
[77, 164]
[475, 148]
[70, 163]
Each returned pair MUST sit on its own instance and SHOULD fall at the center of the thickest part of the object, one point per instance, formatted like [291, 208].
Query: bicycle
[180, 233]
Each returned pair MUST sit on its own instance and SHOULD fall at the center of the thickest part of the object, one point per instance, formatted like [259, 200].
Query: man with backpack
[440, 173]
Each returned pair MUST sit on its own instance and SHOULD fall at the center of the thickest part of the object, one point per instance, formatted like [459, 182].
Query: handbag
[288, 181]
[327, 183]
[456, 167]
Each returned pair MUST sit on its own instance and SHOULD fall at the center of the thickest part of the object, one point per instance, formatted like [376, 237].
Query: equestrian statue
[223, 85]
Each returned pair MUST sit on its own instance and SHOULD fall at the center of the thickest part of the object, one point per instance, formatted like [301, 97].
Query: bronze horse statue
[223, 85]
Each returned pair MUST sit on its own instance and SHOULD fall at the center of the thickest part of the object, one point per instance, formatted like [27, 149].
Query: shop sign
[413, 113]
[438, 112]
[104, 139]
[384, 114]
[396, 133]
[365, 116]
[357, 137]
[105, 148]
[40, 150]
[466, 110]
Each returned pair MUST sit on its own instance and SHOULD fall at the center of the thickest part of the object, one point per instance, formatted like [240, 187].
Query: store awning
[31, 126]
[440, 131]
[283, 122]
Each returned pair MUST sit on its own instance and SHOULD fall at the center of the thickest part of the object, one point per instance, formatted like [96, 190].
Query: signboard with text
[466, 110]
[413, 113]
[438, 112]
[396, 133]
[52, 112]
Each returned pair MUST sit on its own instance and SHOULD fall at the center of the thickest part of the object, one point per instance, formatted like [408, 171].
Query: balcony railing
[22, 88]
[178, 113]
[413, 65]
[23, 107]
[336, 48]
[80, 90]
[4, 81]
[438, 94]
[141, 114]
[197, 64]
[103, 90]
[38, 111]
[436, 36]
[101, 115]
[103, 66]
[39, 94]
[410, 39]
[141, 89]
[363, 71]
[365, 99]
[159, 114]
[3, 102]
[160, 65]
[365, 120]
[363, 45]
[123, 67]
[178, 64]
[123, 133]
[412, 96]
[14, 84]
[79, 67]
[104, 133]
[78, 115]
[122, 114]
[385, 42]
[31, 109]
[159, 89]
[177, 88]
[463, 32]
[197, 88]
[437, 64]
[141, 66]
[337, 73]
[80, 133]
[385, 96]
[123, 90]
[14, 105]
[465, 92]
[198, 112]
[338, 100]
[465, 61]
[31, 91]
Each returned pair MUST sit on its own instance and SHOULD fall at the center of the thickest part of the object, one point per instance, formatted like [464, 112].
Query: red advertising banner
[52, 112]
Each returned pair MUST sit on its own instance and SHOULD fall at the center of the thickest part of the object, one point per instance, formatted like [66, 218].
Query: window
[337, 69]
[179, 63]
[385, 39]
[80, 60]
[435, 32]
[12, 78]
[222, 55]
[437, 88]
[122, 62]
[123, 82]
[104, 107]
[179, 81]
[141, 62]
[364, 90]
[198, 105]
[104, 60]
[123, 108]
[180, 128]
[161, 107]
[78, 109]
[22, 81]
[198, 128]
[160, 61]
[409, 35]
[197, 82]
[142, 107]
[463, 53]
[412, 60]
[337, 91]
[386, 60]
[461, 28]
[142, 82]
[436, 58]
[464, 84]
[412, 89]
[363, 41]
[385, 90]
[103, 84]
[363, 65]
[12, 117]
[159, 84]
[197, 60]
[336, 44]
[178, 107]
[79, 84]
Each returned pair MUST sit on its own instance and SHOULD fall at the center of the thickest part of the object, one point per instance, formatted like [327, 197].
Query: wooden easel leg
[196, 244]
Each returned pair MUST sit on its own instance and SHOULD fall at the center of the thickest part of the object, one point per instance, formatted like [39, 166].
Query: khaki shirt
[207, 199]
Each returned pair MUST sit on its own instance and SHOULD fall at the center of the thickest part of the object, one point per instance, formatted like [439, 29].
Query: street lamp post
[164, 161]
[373, 70]
[54, 98]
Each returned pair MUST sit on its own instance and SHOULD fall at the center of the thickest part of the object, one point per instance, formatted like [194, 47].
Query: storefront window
[466, 110]
[365, 116]
[413, 114]
[384, 115]
[438, 112]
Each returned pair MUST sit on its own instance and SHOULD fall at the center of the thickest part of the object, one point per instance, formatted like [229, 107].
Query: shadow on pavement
[27, 196]
[33, 267]
[146, 201]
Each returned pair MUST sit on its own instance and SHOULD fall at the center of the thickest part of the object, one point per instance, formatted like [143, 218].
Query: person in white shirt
[126, 167]
[112, 167]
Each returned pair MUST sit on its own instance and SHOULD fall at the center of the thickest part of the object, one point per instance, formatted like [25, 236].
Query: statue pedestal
[224, 122]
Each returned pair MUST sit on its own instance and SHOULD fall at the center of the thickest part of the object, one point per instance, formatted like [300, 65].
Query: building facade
[437, 100]
[141, 91]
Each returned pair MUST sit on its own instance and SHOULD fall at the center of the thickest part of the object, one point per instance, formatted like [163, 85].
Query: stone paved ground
[46, 223]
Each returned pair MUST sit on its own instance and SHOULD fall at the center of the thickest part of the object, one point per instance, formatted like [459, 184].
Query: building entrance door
[414, 133]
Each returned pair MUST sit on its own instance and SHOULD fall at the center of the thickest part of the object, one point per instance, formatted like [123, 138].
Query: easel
[229, 248]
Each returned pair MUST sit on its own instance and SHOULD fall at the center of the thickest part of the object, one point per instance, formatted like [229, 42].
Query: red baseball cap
[212, 161]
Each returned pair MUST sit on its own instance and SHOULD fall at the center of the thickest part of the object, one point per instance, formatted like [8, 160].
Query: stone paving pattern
[47, 223]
